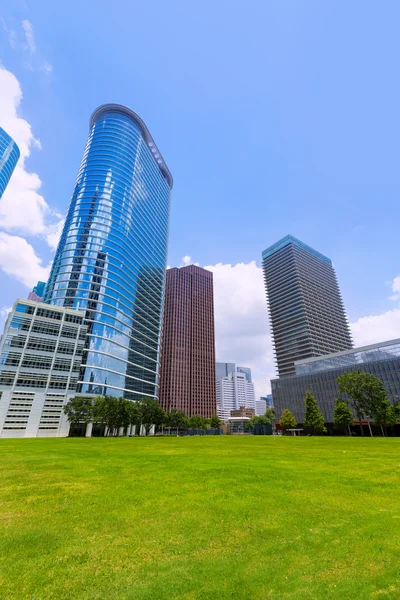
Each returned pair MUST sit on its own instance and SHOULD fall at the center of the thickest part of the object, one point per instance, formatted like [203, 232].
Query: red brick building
[187, 374]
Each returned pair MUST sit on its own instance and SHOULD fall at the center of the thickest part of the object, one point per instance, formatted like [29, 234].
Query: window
[49, 314]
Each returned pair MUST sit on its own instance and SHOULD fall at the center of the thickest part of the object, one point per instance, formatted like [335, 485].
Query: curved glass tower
[9, 155]
[111, 258]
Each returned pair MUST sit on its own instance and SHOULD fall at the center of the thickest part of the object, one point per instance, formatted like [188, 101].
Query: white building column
[89, 427]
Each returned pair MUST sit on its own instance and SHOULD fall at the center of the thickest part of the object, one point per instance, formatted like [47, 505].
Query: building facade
[40, 355]
[9, 155]
[234, 392]
[111, 259]
[306, 309]
[223, 369]
[246, 371]
[37, 293]
[263, 403]
[187, 377]
[319, 375]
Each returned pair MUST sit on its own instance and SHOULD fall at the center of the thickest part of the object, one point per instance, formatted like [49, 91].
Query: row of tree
[267, 419]
[364, 396]
[118, 413]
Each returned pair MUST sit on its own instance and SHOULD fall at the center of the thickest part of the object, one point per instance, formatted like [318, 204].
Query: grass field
[200, 518]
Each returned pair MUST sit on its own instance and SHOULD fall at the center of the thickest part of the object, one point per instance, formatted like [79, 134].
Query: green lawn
[205, 517]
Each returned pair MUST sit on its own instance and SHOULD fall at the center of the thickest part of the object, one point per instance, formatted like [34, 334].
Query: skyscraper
[111, 259]
[234, 392]
[187, 377]
[38, 292]
[9, 155]
[246, 371]
[223, 369]
[305, 305]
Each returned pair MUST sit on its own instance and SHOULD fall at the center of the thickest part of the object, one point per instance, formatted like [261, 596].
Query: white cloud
[10, 33]
[22, 207]
[22, 41]
[379, 328]
[54, 233]
[19, 259]
[29, 37]
[5, 311]
[187, 260]
[241, 321]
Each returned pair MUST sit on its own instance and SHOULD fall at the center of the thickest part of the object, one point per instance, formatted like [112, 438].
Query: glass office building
[306, 309]
[111, 259]
[9, 155]
[319, 375]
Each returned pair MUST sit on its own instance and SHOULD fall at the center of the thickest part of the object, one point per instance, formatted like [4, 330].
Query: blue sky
[273, 117]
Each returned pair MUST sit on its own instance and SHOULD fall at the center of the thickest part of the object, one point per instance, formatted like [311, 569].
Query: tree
[342, 415]
[384, 415]
[107, 411]
[215, 422]
[79, 410]
[134, 414]
[313, 417]
[151, 413]
[366, 393]
[287, 420]
[176, 419]
[396, 412]
[124, 413]
[197, 422]
[270, 415]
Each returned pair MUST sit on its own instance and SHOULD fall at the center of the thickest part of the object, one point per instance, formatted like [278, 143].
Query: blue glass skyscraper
[111, 258]
[9, 155]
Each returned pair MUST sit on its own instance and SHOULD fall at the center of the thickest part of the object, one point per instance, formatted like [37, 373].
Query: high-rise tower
[305, 305]
[111, 259]
[187, 378]
[9, 155]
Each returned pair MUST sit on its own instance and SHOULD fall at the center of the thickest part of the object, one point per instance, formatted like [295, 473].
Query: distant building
[319, 375]
[223, 369]
[9, 155]
[37, 293]
[263, 403]
[246, 371]
[233, 392]
[187, 376]
[41, 351]
[306, 309]
[243, 411]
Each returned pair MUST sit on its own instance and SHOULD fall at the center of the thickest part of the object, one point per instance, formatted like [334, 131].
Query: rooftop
[123, 110]
[349, 358]
[290, 239]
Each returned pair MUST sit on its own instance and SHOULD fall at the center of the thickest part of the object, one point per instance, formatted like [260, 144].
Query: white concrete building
[40, 357]
[233, 392]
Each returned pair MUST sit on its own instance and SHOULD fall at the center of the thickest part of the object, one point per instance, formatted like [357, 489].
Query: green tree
[215, 422]
[270, 414]
[313, 417]
[197, 422]
[287, 420]
[384, 415]
[124, 413]
[396, 412]
[366, 393]
[79, 410]
[342, 415]
[135, 415]
[107, 411]
[176, 419]
[151, 413]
